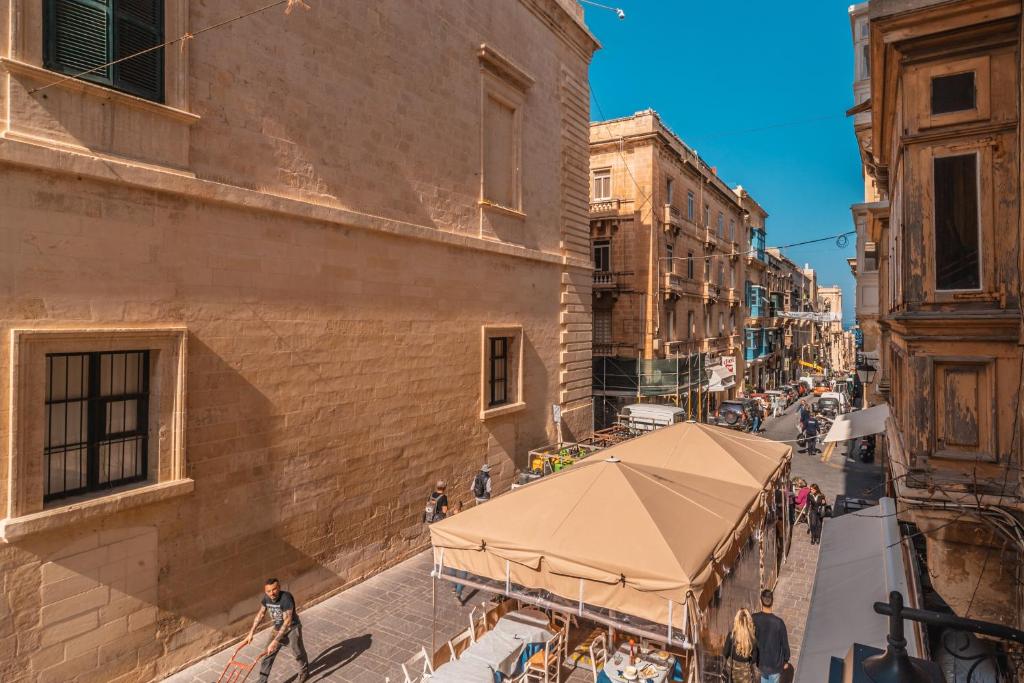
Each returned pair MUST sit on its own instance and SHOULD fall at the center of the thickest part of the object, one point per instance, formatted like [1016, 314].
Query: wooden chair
[599, 654]
[546, 665]
[560, 622]
[461, 643]
[420, 665]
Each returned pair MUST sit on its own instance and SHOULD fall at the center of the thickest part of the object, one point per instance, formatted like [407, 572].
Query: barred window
[498, 380]
[97, 416]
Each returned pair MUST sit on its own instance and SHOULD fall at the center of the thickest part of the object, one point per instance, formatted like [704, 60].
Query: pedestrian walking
[772, 641]
[755, 417]
[741, 649]
[287, 629]
[811, 435]
[816, 513]
[437, 504]
[482, 484]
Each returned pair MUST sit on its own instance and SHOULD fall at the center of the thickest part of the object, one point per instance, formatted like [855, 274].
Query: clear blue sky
[759, 90]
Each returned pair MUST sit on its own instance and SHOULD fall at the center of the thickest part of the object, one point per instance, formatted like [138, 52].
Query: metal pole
[433, 617]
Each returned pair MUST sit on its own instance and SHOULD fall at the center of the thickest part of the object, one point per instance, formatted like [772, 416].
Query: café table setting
[650, 666]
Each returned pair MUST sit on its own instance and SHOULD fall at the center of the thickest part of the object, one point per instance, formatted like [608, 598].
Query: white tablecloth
[501, 647]
[464, 670]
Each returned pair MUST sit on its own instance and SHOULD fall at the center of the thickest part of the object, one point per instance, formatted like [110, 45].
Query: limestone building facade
[259, 291]
[943, 147]
[671, 250]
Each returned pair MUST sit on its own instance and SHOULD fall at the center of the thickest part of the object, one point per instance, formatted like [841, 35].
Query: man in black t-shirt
[287, 629]
[772, 641]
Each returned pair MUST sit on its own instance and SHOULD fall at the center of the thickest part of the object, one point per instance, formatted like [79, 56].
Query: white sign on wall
[729, 363]
[556, 413]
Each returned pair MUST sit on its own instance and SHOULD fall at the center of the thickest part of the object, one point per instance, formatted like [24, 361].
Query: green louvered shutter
[77, 37]
[139, 24]
[80, 35]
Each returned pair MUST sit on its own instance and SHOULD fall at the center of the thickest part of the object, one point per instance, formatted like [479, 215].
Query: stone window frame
[27, 51]
[25, 513]
[598, 197]
[516, 400]
[507, 83]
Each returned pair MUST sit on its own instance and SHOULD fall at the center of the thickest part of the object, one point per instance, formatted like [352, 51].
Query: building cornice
[568, 26]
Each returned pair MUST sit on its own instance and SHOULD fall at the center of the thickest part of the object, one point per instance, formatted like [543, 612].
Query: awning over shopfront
[637, 528]
[721, 379]
[861, 561]
[859, 423]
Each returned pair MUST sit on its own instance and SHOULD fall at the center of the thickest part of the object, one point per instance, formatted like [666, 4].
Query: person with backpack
[437, 504]
[482, 484]
[741, 650]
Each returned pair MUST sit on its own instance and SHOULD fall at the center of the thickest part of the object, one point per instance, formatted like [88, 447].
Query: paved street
[365, 633]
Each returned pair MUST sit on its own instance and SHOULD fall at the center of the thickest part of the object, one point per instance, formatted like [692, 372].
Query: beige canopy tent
[646, 528]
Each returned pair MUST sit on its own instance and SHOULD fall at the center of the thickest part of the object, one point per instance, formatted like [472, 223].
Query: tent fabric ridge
[679, 494]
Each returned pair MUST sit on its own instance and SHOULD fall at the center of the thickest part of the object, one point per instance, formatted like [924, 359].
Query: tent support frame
[586, 614]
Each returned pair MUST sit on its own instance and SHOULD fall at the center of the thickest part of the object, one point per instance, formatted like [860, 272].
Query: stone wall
[323, 248]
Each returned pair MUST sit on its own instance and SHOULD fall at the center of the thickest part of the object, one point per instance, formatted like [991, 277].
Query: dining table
[654, 666]
[515, 637]
[463, 670]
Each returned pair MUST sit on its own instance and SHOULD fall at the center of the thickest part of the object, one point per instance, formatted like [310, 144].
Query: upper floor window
[957, 262]
[691, 325]
[97, 422]
[721, 225]
[501, 151]
[707, 216]
[603, 184]
[689, 264]
[602, 327]
[668, 191]
[670, 266]
[86, 35]
[955, 92]
[689, 206]
[497, 380]
[732, 230]
[602, 256]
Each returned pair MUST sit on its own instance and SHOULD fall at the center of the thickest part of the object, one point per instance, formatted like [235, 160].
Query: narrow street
[364, 633]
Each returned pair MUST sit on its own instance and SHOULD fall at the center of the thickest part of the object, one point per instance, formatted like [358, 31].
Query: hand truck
[236, 671]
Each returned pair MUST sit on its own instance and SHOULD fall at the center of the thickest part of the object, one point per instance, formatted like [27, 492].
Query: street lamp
[866, 371]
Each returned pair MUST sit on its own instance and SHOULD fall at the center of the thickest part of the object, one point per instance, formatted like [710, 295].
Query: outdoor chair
[461, 643]
[561, 624]
[599, 654]
[420, 664]
[801, 515]
[546, 665]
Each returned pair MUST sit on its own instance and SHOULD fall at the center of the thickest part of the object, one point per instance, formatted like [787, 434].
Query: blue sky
[759, 90]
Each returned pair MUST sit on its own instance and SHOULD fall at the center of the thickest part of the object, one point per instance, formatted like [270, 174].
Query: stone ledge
[27, 154]
[502, 410]
[17, 528]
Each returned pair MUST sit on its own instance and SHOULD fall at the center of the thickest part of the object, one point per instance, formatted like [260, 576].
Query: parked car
[646, 417]
[844, 401]
[734, 414]
[820, 387]
[828, 406]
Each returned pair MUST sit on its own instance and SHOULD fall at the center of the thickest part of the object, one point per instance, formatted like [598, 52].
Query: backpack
[431, 513]
[480, 485]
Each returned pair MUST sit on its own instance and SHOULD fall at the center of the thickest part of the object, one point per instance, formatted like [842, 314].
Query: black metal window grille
[498, 371]
[97, 416]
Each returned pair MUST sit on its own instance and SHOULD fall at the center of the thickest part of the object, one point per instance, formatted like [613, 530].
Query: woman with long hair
[741, 649]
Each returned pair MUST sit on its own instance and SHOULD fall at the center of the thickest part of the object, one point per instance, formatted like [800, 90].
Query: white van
[646, 417]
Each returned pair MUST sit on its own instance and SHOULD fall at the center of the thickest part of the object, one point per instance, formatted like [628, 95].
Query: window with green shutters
[82, 35]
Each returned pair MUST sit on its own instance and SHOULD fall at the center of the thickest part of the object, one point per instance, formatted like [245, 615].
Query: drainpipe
[652, 264]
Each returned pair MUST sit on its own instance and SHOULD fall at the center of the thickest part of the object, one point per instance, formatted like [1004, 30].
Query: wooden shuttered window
[81, 35]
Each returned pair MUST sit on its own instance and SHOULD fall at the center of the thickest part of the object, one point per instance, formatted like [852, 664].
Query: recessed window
[602, 256]
[97, 415]
[501, 154]
[689, 206]
[957, 262]
[668, 190]
[953, 93]
[689, 264]
[721, 225]
[85, 35]
[691, 325]
[602, 327]
[670, 254]
[603, 184]
[498, 374]
[707, 216]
